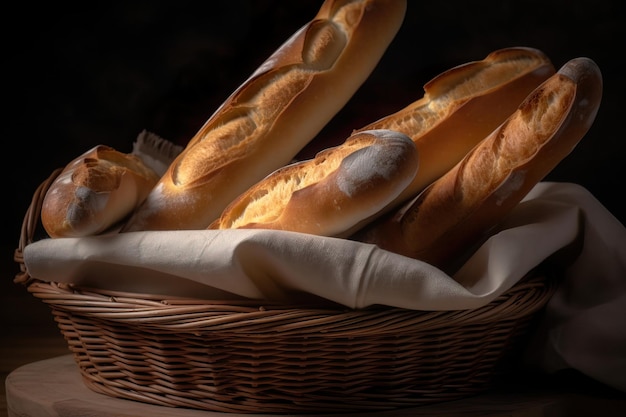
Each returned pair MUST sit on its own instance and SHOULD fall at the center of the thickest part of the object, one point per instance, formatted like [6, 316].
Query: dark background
[100, 72]
[90, 74]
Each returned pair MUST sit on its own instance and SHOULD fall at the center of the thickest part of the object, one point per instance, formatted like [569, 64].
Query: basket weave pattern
[251, 357]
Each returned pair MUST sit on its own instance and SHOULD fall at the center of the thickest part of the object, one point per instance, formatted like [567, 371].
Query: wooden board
[54, 388]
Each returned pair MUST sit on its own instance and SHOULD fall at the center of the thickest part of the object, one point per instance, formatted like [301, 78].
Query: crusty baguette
[94, 192]
[458, 211]
[273, 114]
[463, 105]
[331, 193]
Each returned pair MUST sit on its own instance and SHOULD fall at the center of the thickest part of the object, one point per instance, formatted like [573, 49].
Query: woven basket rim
[260, 317]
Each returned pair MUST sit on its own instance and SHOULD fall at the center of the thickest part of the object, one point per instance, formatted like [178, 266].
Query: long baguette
[459, 210]
[331, 193]
[273, 114]
[463, 105]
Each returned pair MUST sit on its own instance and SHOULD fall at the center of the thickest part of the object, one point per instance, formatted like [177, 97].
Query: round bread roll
[463, 105]
[332, 193]
[460, 209]
[274, 114]
[94, 192]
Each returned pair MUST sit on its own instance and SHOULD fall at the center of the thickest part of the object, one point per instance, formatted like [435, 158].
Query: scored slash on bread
[273, 114]
[332, 193]
[457, 211]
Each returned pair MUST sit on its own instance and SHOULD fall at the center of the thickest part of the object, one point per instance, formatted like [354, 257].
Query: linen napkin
[584, 326]
[276, 265]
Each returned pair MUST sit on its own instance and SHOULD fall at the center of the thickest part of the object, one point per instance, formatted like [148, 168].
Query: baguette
[273, 114]
[463, 105]
[460, 209]
[94, 192]
[331, 193]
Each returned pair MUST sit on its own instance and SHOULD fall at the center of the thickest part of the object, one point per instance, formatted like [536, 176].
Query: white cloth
[585, 320]
[589, 306]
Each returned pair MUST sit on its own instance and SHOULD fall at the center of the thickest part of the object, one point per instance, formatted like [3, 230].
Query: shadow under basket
[255, 357]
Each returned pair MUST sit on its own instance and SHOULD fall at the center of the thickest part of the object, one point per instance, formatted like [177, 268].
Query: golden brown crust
[332, 193]
[458, 210]
[274, 114]
[94, 192]
[463, 105]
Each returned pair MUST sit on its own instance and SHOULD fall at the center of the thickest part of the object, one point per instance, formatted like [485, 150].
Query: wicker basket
[248, 357]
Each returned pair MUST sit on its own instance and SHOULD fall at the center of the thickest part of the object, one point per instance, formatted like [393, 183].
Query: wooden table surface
[29, 335]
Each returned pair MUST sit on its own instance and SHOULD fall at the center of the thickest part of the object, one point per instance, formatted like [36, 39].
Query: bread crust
[94, 192]
[273, 114]
[332, 193]
[459, 210]
[463, 105]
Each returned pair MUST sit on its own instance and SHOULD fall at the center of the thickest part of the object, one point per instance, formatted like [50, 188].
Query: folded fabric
[584, 325]
[277, 265]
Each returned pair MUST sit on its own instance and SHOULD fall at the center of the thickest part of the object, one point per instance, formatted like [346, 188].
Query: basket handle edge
[29, 225]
